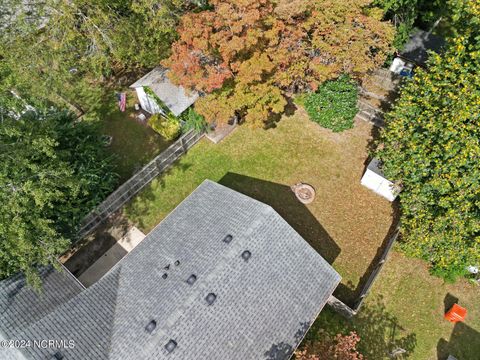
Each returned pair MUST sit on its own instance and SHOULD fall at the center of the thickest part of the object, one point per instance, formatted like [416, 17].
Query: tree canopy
[53, 171]
[64, 51]
[406, 13]
[247, 55]
[431, 146]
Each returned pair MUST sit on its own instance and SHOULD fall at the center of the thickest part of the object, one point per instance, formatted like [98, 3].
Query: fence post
[184, 145]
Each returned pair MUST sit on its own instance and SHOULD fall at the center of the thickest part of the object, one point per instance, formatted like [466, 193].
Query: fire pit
[305, 193]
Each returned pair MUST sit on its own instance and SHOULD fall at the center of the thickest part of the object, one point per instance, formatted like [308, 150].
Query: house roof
[173, 96]
[416, 49]
[262, 305]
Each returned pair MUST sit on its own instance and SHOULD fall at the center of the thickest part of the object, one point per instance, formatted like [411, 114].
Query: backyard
[346, 223]
[134, 143]
[405, 310]
[264, 164]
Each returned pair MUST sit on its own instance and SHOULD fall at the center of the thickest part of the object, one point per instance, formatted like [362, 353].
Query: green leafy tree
[431, 147]
[406, 13]
[53, 171]
[64, 52]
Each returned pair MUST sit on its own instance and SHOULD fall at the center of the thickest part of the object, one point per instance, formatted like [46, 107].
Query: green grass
[134, 144]
[405, 310]
[346, 223]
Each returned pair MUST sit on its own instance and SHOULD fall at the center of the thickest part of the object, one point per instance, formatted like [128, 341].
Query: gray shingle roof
[173, 96]
[262, 309]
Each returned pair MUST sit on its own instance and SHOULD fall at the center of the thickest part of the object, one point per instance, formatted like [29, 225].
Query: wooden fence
[376, 270]
[137, 182]
[345, 310]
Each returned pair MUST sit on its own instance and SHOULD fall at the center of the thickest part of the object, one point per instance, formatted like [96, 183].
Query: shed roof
[173, 96]
[263, 305]
[416, 49]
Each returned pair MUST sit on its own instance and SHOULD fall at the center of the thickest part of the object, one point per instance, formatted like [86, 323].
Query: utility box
[374, 180]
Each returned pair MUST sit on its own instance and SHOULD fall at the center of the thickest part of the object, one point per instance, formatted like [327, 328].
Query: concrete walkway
[121, 248]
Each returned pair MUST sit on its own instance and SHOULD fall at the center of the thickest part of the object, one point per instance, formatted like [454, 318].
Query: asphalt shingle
[263, 305]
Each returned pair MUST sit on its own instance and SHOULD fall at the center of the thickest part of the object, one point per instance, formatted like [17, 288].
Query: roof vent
[57, 356]
[170, 346]
[227, 239]
[211, 298]
[246, 255]
[164, 276]
[177, 262]
[151, 326]
[167, 267]
[191, 279]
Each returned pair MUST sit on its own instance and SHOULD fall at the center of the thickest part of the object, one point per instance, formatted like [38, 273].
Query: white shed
[375, 180]
[175, 98]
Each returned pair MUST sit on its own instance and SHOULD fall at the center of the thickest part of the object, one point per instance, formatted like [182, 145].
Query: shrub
[334, 104]
[168, 127]
[193, 120]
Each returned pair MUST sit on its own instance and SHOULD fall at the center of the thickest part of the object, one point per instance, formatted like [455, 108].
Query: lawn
[134, 144]
[405, 310]
[347, 224]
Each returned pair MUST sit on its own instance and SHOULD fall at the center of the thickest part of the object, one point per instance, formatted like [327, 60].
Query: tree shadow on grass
[380, 332]
[282, 199]
[140, 206]
[464, 342]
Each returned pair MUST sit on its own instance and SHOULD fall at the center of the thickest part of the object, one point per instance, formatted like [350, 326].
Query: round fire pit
[305, 193]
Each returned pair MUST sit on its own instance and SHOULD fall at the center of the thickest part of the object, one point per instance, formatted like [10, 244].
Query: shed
[415, 52]
[375, 180]
[174, 97]
[222, 277]
[417, 47]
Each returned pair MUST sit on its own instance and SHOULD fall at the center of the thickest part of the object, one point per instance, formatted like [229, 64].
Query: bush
[193, 120]
[334, 104]
[168, 127]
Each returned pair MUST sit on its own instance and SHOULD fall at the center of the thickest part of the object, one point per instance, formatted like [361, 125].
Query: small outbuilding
[375, 180]
[156, 86]
[415, 52]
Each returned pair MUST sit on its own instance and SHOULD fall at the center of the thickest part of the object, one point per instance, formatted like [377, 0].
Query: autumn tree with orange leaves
[340, 347]
[247, 56]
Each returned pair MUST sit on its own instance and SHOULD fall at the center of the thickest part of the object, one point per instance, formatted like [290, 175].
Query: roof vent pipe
[191, 279]
[151, 326]
[246, 255]
[170, 346]
[211, 298]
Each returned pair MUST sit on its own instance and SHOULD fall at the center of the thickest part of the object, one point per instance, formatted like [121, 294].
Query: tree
[53, 171]
[341, 347]
[406, 13]
[248, 55]
[430, 146]
[64, 51]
